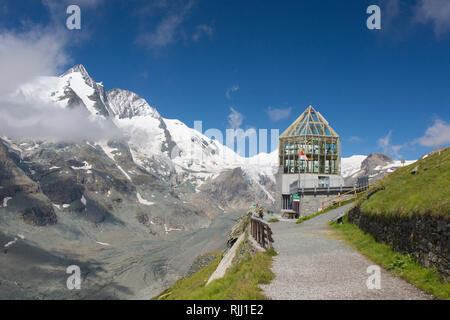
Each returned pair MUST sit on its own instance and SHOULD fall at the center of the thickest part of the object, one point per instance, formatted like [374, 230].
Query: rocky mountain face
[114, 202]
[27, 195]
[154, 162]
[375, 166]
[230, 189]
[373, 161]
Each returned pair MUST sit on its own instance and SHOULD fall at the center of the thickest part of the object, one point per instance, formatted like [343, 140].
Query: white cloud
[202, 30]
[435, 11]
[165, 32]
[354, 139]
[231, 90]
[390, 10]
[170, 28]
[23, 57]
[279, 114]
[436, 135]
[235, 118]
[385, 144]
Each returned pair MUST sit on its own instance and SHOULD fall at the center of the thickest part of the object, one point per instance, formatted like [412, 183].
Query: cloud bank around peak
[24, 57]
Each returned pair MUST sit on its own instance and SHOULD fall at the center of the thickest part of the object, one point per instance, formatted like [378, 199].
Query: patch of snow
[170, 229]
[125, 174]
[90, 144]
[83, 200]
[32, 148]
[5, 201]
[102, 243]
[143, 201]
[108, 150]
[390, 167]
[86, 166]
[10, 243]
[351, 165]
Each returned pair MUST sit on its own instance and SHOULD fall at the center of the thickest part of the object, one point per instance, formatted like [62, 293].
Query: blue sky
[264, 62]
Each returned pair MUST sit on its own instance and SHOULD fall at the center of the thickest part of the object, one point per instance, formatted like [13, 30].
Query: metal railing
[352, 194]
[261, 232]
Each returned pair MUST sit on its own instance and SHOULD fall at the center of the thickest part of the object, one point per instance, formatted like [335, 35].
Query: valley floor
[312, 263]
[126, 268]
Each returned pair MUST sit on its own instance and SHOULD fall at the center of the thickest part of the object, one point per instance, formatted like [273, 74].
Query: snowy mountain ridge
[168, 146]
[175, 147]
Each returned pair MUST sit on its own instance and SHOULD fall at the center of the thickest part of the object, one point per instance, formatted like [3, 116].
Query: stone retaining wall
[310, 204]
[426, 237]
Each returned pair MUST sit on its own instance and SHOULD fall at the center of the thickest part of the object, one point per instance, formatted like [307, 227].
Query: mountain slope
[110, 204]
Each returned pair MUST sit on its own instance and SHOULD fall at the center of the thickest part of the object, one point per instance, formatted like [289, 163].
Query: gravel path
[313, 264]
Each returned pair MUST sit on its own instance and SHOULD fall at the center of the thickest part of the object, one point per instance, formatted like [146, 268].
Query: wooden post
[323, 205]
[269, 237]
[262, 234]
[339, 195]
[253, 228]
[356, 194]
[261, 228]
[257, 232]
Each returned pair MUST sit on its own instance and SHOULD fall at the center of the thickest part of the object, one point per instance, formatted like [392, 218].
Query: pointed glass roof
[310, 123]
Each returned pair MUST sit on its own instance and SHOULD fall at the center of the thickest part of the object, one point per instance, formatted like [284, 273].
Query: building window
[324, 182]
[287, 202]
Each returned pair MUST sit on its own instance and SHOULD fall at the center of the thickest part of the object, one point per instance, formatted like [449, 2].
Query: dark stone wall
[427, 237]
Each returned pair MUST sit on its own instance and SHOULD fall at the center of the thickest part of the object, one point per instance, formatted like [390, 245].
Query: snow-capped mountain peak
[127, 104]
[79, 68]
[77, 81]
[168, 147]
[351, 165]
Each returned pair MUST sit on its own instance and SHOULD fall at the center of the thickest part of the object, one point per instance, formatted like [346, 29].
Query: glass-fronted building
[309, 164]
[310, 145]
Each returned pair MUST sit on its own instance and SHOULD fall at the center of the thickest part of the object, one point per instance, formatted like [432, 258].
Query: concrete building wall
[289, 181]
[309, 204]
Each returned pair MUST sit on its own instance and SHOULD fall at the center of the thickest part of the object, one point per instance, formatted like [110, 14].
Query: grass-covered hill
[422, 188]
[241, 281]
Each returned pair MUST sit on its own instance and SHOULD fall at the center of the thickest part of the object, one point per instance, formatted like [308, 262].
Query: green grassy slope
[241, 281]
[406, 194]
